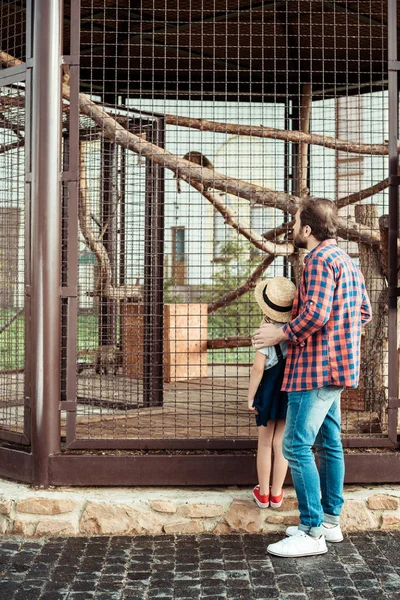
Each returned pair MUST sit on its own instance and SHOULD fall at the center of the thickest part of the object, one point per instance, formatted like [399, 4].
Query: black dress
[269, 400]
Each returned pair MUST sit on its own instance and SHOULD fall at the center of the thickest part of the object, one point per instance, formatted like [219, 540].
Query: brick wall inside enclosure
[285, 96]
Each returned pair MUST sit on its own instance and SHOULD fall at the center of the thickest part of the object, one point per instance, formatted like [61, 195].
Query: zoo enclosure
[147, 346]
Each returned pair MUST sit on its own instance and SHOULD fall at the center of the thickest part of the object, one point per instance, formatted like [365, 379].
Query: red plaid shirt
[329, 310]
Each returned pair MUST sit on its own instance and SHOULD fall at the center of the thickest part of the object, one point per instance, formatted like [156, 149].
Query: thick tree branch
[278, 134]
[9, 61]
[367, 193]
[244, 229]
[6, 147]
[113, 131]
[282, 229]
[6, 124]
[96, 246]
[248, 285]
[11, 320]
[229, 342]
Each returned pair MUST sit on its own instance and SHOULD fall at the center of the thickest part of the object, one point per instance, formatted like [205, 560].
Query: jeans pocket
[329, 392]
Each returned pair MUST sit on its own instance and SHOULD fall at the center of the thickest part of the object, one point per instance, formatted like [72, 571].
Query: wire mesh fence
[201, 128]
[235, 85]
[12, 223]
[13, 31]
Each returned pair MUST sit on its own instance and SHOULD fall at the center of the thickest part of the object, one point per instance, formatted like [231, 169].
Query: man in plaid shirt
[330, 308]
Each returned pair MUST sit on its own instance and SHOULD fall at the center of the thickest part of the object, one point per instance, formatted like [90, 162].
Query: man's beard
[300, 241]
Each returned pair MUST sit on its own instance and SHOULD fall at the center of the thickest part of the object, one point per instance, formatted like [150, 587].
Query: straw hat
[275, 298]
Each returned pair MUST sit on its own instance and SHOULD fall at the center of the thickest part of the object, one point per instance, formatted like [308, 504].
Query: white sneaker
[299, 544]
[331, 534]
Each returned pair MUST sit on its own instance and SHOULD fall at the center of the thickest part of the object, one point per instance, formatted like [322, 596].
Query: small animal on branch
[107, 358]
[198, 158]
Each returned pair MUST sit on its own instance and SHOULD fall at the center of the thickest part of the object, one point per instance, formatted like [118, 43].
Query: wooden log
[229, 342]
[374, 356]
[301, 169]
[278, 134]
[248, 285]
[384, 245]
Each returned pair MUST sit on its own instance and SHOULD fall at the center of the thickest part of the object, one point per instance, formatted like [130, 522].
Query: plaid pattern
[329, 310]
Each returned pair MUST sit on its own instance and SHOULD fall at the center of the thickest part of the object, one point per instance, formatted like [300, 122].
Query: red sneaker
[262, 500]
[276, 501]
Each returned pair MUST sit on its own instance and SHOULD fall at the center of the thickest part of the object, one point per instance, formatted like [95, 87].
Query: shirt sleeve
[320, 283]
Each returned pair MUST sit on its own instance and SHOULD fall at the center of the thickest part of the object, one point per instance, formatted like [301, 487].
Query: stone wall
[138, 511]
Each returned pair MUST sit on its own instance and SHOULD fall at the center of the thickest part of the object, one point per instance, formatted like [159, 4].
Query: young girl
[265, 399]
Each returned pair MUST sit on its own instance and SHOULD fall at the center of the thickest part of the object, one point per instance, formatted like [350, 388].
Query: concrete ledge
[152, 511]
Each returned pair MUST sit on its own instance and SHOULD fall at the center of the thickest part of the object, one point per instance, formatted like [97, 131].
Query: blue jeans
[313, 418]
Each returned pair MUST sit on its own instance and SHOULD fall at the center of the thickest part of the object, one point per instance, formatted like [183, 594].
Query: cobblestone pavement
[166, 567]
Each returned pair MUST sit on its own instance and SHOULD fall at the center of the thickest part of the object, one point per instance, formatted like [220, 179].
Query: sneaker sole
[260, 504]
[326, 539]
[276, 504]
[297, 555]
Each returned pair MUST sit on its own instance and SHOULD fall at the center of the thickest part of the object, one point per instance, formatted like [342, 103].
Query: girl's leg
[264, 455]
[280, 463]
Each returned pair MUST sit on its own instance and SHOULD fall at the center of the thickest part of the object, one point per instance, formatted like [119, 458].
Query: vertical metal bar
[154, 277]
[64, 267]
[46, 234]
[393, 217]
[71, 316]
[27, 229]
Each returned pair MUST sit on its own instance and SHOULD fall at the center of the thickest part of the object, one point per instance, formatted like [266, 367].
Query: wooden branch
[384, 246]
[373, 365]
[229, 342]
[279, 134]
[8, 60]
[11, 320]
[6, 124]
[301, 169]
[104, 283]
[305, 113]
[245, 130]
[356, 232]
[274, 233]
[192, 173]
[248, 285]
[367, 193]
[185, 169]
[244, 229]
[6, 147]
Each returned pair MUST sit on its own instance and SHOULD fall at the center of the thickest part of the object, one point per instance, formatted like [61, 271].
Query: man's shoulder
[331, 253]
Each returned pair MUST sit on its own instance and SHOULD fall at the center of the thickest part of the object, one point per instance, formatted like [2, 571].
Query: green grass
[88, 332]
[12, 342]
[231, 355]
[12, 339]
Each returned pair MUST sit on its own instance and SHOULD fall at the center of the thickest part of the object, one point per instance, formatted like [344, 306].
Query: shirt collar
[323, 244]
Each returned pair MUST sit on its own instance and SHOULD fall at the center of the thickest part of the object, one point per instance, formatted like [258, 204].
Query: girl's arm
[256, 374]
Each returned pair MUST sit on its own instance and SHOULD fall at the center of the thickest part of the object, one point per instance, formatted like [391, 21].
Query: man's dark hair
[321, 216]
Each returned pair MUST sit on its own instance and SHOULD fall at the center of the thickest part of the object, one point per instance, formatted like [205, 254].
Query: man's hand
[268, 335]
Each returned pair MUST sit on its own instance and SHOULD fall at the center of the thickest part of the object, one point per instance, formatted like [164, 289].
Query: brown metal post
[46, 235]
[154, 277]
[394, 69]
